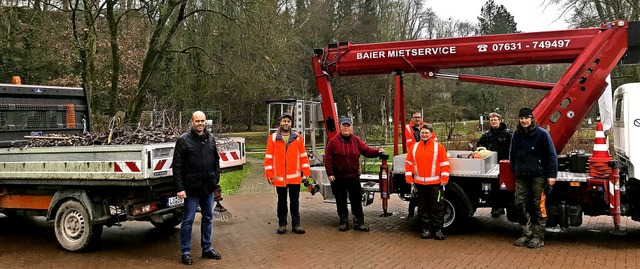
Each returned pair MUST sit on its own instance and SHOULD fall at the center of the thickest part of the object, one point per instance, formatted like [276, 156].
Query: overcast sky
[530, 15]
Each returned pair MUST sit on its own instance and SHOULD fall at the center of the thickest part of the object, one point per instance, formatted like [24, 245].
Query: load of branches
[124, 135]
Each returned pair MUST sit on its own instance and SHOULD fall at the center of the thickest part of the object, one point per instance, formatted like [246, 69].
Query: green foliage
[230, 181]
[232, 56]
[495, 19]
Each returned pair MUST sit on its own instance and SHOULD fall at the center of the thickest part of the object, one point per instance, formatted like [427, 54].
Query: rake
[219, 211]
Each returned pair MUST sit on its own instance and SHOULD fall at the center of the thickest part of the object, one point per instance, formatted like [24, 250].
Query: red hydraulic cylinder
[396, 119]
[616, 214]
[384, 185]
[400, 107]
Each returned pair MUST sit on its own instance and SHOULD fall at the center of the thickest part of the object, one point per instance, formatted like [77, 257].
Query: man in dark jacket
[534, 163]
[342, 163]
[497, 139]
[196, 170]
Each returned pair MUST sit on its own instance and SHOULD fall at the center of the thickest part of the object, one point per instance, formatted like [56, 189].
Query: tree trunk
[86, 43]
[383, 118]
[115, 56]
[160, 41]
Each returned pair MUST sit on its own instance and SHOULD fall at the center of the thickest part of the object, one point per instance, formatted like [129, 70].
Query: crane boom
[593, 53]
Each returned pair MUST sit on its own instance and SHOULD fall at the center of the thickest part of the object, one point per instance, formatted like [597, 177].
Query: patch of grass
[230, 181]
[256, 155]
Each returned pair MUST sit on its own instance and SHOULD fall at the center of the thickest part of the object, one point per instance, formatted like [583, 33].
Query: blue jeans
[206, 209]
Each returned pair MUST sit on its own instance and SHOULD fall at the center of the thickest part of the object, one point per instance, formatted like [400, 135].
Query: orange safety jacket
[427, 163]
[409, 138]
[284, 161]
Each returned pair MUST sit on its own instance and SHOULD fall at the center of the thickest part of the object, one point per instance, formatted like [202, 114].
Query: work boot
[361, 227]
[211, 254]
[343, 227]
[439, 235]
[535, 243]
[496, 212]
[523, 240]
[298, 230]
[527, 235]
[281, 229]
[426, 234]
[186, 259]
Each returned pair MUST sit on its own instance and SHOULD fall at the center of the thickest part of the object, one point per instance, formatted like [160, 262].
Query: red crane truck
[609, 188]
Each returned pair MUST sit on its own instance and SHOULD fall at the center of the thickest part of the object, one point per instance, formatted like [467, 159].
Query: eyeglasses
[417, 117]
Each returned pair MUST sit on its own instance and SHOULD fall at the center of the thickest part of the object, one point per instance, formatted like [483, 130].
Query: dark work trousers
[528, 203]
[294, 196]
[351, 186]
[430, 206]
[495, 195]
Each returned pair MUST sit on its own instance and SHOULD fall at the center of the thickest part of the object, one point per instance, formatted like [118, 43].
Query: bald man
[196, 171]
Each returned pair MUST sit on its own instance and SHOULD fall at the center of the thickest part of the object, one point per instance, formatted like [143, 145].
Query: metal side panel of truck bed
[87, 163]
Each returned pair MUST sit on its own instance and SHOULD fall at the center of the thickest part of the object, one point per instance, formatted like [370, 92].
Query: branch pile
[120, 136]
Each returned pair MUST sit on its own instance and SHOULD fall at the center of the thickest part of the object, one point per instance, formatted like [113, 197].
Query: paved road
[248, 240]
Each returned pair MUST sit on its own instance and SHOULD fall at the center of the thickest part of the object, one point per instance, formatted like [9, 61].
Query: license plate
[172, 201]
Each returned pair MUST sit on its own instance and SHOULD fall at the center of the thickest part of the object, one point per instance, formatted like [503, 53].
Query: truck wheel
[167, 224]
[74, 230]
[455, 213]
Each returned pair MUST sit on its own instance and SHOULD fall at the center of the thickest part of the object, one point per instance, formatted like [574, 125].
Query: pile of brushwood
[125, 135]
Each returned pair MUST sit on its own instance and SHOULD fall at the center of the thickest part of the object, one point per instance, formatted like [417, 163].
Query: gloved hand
[414, 190]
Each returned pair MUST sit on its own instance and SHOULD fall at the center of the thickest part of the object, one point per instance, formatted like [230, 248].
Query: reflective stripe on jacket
[284, 162]
[427, 163]
[410, 137]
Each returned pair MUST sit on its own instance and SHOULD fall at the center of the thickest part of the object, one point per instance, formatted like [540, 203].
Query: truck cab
[626, 125]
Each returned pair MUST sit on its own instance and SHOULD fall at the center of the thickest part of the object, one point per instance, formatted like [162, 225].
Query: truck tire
[73, 226]
[167, 224]
[455, 212]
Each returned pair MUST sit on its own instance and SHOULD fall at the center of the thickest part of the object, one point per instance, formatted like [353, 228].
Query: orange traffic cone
[599, 160]
[600, 149]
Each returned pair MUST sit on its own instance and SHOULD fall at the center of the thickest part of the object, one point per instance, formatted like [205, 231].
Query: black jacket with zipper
[196, 163]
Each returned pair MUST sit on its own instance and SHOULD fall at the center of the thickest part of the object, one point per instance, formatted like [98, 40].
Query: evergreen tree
[495, 19]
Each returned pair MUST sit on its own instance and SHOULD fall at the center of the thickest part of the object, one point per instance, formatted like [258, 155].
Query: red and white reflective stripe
[230, 155]
[162, 164]
[612, 195]
[126, 167]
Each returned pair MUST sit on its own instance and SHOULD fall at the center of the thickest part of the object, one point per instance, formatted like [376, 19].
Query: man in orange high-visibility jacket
[286, 165]
[412, 130]
[427, 169]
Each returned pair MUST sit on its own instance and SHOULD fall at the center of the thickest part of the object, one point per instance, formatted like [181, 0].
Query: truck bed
[86, 165]
[487, 167]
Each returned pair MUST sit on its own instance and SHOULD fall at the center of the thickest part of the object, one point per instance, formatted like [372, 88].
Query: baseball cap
[286, 114]
[346, 120]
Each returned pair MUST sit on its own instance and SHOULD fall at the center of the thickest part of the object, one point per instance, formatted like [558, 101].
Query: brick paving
[255, 181]
[249, 240]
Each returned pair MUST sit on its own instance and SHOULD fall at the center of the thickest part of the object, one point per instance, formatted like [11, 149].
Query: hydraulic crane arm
[593, 53]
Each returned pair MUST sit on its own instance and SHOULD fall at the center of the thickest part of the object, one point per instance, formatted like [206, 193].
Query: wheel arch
[464, 198]
[98, 212]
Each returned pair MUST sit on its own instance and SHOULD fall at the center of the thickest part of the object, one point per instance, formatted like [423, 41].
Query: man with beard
[286, 165]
